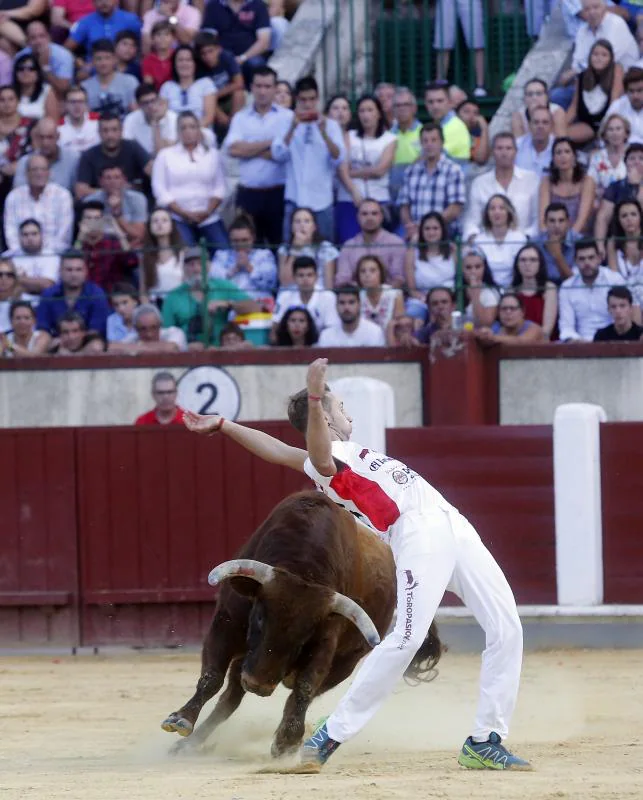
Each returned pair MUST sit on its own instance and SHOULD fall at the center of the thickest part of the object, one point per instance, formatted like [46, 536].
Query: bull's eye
[258, 620]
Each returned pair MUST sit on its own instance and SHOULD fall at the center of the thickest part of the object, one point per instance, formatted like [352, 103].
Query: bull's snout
[250, 684]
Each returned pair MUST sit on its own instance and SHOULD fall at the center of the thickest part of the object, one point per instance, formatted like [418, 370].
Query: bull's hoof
[176, 724]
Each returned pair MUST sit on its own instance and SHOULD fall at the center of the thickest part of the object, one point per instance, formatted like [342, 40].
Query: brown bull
[306, 597]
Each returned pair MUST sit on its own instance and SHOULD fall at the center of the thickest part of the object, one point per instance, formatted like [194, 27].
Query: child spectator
[233, 338]
[126, 51]
[165, 411]
[539, 296]
[305, 240]
[225, 73]
[162, 255]
[23, 339]
[109, 91]
[157, 64]
[500, 238]
[380, 303]
[120, 323]
[183, 18]
[296, 329]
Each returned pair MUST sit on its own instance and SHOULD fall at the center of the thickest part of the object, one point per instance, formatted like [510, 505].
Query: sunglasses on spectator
[26, 68]
[7, 274]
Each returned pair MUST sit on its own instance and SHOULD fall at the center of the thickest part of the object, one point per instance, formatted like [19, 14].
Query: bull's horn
[246, 567]
[348, 608]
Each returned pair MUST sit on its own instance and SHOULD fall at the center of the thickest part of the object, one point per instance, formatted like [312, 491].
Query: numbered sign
[209, 390]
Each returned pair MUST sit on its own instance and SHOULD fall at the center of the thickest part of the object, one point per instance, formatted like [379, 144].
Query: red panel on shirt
[159, 69]
[151, 419]
[368, 496]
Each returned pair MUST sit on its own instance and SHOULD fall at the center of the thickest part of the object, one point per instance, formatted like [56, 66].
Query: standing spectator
[153, 124]
[539, 296]
[56, 63]
[583, 297]
[105, 250]
[557, 242]
[480, 292]
[73, 292]
[469, 112]
[354, 330]
[244, 29]
[306, 240]
[511, 327]
[10, 292]
[455, 134]
[188, 179]
[262, 178]
[568, 184]
[312, 149]
[104, 23]
[596, 88]
[157, 64]
[79, 128]
[284, 96]
[35, 97]
[23, 340]
[469, 12]
[126, 51]
[184, 21]
[630, 188]
[251, 269]
[164, 392]
[36, 270]
[441, 305]
[63, 164]
[385, 93]
[74, 339]
[372, 239]
[434, 183]
[320, 303]
[150, 335]
[221, 67]
[406, 128]
[296, 329]
[365, 173]
[162, 255]
[500, 238]
[185, 93]
[630, 105]
[125, 209]
[120, 323]
[108, 90]
[44, 201]
[113, 150]
[509, 180]
[380, 303]
[536, 95]
[607, 164]
[430, 263]
[625, 249]
[534, 148]
[623, 327]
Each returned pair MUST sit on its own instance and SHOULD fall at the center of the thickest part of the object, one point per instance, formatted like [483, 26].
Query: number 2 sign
[209, 390]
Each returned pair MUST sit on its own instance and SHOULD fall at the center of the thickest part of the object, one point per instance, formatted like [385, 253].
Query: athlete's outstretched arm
[257, 442]
[318, 439]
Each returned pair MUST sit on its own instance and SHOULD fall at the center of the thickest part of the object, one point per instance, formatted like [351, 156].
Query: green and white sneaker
[491, 754]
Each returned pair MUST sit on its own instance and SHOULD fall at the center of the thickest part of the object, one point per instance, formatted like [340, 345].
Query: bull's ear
[248, 587]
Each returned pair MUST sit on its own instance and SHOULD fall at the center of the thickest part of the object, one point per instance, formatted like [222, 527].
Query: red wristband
[314, 397]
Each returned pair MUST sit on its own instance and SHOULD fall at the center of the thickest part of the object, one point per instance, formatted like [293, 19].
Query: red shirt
[151, 419]
[108, 263]
[76, 9]
[158, 69]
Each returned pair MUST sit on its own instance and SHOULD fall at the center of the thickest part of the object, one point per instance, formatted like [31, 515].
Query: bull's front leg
[226, 705]
[290, 732]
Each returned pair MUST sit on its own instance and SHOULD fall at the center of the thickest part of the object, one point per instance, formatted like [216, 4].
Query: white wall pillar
[577, 488]
[371, 404]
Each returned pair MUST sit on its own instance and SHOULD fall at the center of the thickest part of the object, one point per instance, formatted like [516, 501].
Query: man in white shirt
[36, 270]
[582, 299]
[508, 180]
[354, 330]
[152, 125]
[78, 130]
[630, 105]
[534, 148]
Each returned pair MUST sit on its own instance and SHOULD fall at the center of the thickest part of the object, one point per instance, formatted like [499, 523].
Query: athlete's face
[338, 420]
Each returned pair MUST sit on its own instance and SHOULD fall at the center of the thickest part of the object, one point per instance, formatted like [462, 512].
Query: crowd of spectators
[347, 225]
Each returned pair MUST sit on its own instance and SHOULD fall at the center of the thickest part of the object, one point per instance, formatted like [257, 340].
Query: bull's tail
[423, 667]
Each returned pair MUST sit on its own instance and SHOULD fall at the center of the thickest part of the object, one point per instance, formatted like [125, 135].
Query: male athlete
[435, 549]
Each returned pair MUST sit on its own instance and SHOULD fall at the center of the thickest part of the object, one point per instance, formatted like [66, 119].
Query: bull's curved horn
[351, 610]
[246, 567]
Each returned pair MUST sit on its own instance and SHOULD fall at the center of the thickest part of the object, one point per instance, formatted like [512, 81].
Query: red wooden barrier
[38, 536]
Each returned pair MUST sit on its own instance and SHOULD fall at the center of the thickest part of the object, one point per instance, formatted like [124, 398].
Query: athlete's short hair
[298, 409]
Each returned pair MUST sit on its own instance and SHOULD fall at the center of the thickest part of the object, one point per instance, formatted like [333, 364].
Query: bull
[307, 596]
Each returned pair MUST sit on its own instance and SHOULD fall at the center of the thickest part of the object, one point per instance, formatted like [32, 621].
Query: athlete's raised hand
[316, 377]
[202, 423]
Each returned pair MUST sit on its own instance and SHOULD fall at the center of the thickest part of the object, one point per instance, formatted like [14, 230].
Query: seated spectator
[469, 112]
[511, 326]
[63, 164]
[162, 255]
[625, 249]
[14, 137]
[434, 183]
[44, 201]
[184, 21]
[402, 332]
[597, 86]
[456, 139]
[251, 269]
[305, 240]
[567, 183]
[243, 30]
[188, 179]
[372, 239]
[539, 295]
[105, 23]
[629, 188]
[536, 95]
[500, 238]
[517, 184]
[108, 90]
[120, 322]
[353, 330]
[284, 95]
[233, 338]
[607, 163]
[187, 93]
[153, 124]
[74, 339]
[534, 148]
[623, 328]
[157, 64]
[35, 97]
[481, 293]
[365, 173]
[296, 329]
[630, 105]
[556, 243]
[56, 63]
[441, 304]
[429, 264]
[581, 313]
[183, 306]
[320, 303]
[125, 209]
[165, 411]
[65, 14]
[104, 247]
[406, 128]
[23, 340]
[36, 270]
[221, 67]
[150, 334]
[379, 302]
[10, 292]
[113, 150]
[79, 128]
[126, 52]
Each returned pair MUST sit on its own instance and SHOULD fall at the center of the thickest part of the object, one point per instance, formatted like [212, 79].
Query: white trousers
[436, 551]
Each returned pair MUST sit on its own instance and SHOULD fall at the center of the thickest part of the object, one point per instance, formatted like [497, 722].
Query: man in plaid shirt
[433, 183]
[106, 250]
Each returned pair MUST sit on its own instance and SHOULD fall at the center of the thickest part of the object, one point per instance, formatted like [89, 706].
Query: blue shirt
[226, 69]
[95, 26]
[237, 32]
[117, 330]
[92, 305]
[61, 61]
[568, 253]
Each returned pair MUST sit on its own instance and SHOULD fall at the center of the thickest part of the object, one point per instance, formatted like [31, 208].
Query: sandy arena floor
[88, 727]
